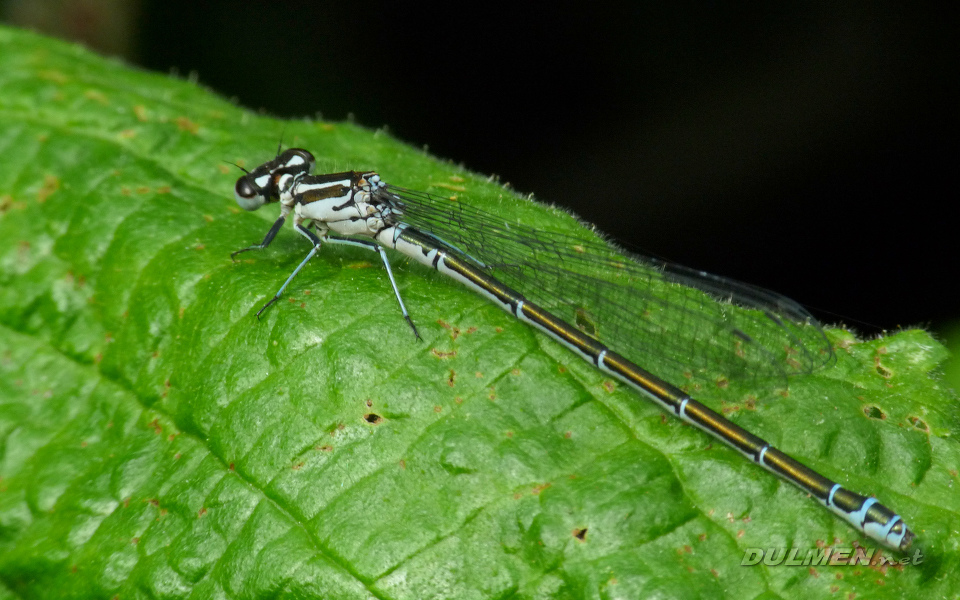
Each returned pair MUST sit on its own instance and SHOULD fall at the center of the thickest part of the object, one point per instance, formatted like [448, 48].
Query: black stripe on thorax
[324, 187]
[324, 193]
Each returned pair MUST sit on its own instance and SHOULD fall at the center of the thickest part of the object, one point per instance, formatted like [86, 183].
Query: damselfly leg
[266, 240]
[386, 263]
[317, 241]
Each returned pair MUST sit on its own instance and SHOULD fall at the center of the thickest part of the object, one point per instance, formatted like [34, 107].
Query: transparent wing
[689, 323]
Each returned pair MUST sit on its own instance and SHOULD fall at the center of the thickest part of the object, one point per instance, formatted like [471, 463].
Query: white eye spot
[262, 181]
[249, 202]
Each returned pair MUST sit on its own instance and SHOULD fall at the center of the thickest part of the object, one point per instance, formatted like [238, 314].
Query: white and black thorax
[348, 203]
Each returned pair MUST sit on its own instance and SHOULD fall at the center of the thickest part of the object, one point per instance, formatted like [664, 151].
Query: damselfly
[612, 309]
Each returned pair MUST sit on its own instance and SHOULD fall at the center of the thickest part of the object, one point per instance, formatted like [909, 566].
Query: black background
[808, 149]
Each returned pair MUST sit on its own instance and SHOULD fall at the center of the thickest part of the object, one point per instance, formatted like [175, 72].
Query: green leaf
[159, 441]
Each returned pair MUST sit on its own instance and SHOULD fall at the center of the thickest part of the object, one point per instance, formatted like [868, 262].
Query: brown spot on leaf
[449, 186]
[52, 75]
[185, 124]
[539, 488]
[50, 185]
[96, 96]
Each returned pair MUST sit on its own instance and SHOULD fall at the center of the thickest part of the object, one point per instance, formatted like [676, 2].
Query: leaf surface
[156, 440]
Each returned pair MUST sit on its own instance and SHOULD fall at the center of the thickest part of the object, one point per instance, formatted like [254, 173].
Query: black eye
[245, 189]
[248, 195]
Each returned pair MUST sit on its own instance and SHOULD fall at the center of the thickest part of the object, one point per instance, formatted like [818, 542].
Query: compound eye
[247, 195]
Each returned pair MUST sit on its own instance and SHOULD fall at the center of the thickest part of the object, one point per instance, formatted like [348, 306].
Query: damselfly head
[265, 183]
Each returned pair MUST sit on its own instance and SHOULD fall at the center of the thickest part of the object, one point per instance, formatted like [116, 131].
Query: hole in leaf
[372, 418]
[580, 534]
[874, 412]
[919, 424]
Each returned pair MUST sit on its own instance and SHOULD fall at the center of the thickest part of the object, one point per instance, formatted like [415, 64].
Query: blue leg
[383, 256]
[316, 247]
